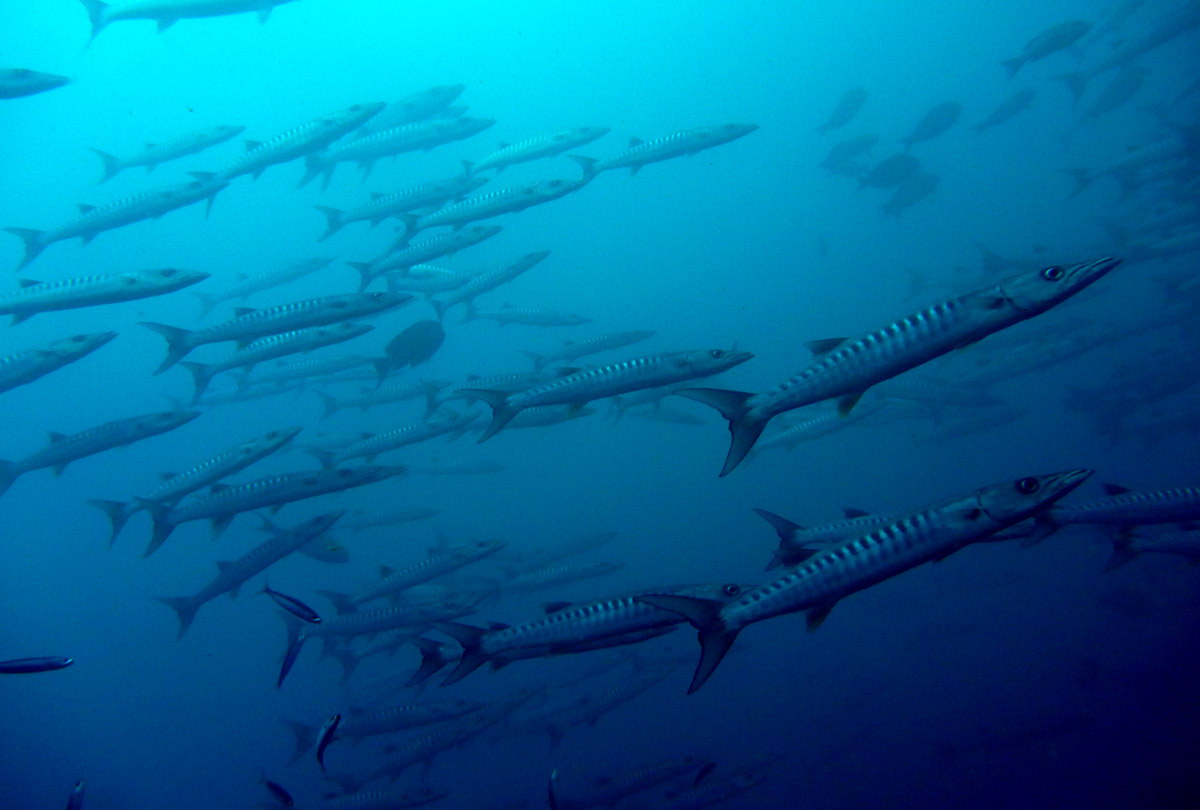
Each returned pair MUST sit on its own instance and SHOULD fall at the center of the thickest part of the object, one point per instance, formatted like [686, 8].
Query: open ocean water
[1007, 675]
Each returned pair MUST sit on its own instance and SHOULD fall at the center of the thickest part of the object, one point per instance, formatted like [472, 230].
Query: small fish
[292, 605]
[289, 658]
[279, 792]
[75, 802]
[19, 666]
[326, 737]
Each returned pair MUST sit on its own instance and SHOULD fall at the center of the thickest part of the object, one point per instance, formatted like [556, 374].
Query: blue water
[1002, 677]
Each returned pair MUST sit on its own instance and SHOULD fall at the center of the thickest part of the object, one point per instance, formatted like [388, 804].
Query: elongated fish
[197, 477]
[23, 666]
[249, 284]
[490, 280]
[677, 144]
[269, 348]
[426, 196]
[90, 291]
[1124, 508]
[525, 316]
[1127, 545]
[927, 534]
[232, 575]
[64, 449]
[423, 250]
[566, 627]
[168, 12]
[574, 349]
[224, 503]
[415, 107]
[23, 367]
[432, 567]
[650, 371]
[422, 431]
[155, 153]
[93, 220]
[847, 367]
[385, 720]
[492, 204]
[250, 324]
[390, 799]
[542, 146]
[17, 82]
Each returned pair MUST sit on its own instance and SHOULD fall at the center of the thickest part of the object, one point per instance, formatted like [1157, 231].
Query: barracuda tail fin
[112, 165]
[539, 360]
[433, 658]
[334, 224]
[330, 402]
[439, 308]
[502, 414]
[364, 273]
[202, 375]
[586, 164]
[1013, 65]
[162, 523]
[118, 513]
[95, 10]
[184, 606]
[432, 390]
[1123, 551]
[178, 343]
[33, 240]
[304, 736]
[468, 638]
[705, 616]
[9, 472]
[744, 432]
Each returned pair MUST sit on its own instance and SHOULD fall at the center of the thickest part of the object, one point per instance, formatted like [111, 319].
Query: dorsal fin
[555, 607]
[1115, 489]
[84, 208]
[386, 571]
[635, 141]
[498, 626]
[824, 346]
[850, 512]
[215, 488]
[252, 145]
[238, 312]
[27, 282]
[166, 476]
[56, 437]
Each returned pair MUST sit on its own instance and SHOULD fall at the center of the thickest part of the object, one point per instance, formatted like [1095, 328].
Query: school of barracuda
[922, 365]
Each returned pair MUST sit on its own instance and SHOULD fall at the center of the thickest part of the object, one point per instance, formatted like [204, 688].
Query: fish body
[527, 316]
[23, 666]
[424, 250]
[326, 737]
[677, 144]
[415, 107]
[290, 603]
[427, 196]
[846, 368]
[18, 82]
[394, 439]
[299, 141]
[432, 567]
[536, 148]
[156, 153]
[94, 220]
[574, 349]
[846, 109]
[263, 280]
[207, 472]
[269, 348]
[252, 324]
[910, 540]
[890, 172]
[1054, 39]
[492, 204]
[841, 157]
[232, 575]
[1126, 546]
[1124, 508]
[90, 291]
[912, 191]
[483, 282]
[414, 346]
[225, 502]
[650, 371]
[428, 279]
[62, 449]
[383, 799]
[305, 370]
[368, 148]
[1015, 104]
[168, 12]
[23, 367]
[939, 119]
[372, 397]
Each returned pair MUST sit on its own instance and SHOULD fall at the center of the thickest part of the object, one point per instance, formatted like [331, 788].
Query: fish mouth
[737, 358]
[1056, 485]
[1087, 272]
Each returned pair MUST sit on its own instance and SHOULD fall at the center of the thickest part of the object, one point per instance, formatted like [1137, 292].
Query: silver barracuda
[385, 720]
[415, 107]
[816, 585]
[394, 799]
[542, 146]
[90, 291]
[423, 250]
[249, 284]
[368, 398]
[574, 349]
[18, 82]
[250, 324]
[1123, 508]
[432, 567]
[426, 197]
[94, 220]
[846, 367]
[224, 503]
[677, 144]
[525, 316]
[650, 371]
[491, 204]
[23, 367]
[156, 153]
[63, 449]
[484, 282]
[232, 575]
[201, 475]
[269, 348]
[1126, 546]
[567, 627]
[168, 12]
[372, 446]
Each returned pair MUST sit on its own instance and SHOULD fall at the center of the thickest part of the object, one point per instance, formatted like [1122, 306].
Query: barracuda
[21, 368]
[269, 348]
[847, 367]
[249, 284]
[232, 575]
[816, 585]
[201, 475]
[358, 724]
[570, 627]
[677, 144]
[167, 12]
[490, 280]
[403, 436]
[62, 449]
[492, 204]
[425, 196]
[536, 148]
[1126, 546]
[574, 349]
[90, 291]
[156, 153]
[251, 324]
[382, 799]
[581, 387]
[224, 503]
[1124, 508]
[432, 567]
[426, 250]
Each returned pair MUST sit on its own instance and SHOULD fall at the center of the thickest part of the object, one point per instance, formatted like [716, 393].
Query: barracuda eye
[731, 590]
[1052, 273]
[716, 354]
[1028, 486]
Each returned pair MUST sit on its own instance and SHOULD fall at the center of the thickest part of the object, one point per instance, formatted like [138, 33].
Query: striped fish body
[426, 250]
[490, 280]
[526, 316]
[87, 291]
[225, 502]
[305, 370]
[493, 204]
[232, 575]
[426, 279]
[403, 436]
[299, 141]
[1128, 546]
[797, 543]
[650, 371]
[166, 12]
[560, 574]
[416, 107]
[21, 368]
[178, 147]
[382, 620]
[264, 280]
[607, 792]
[432, 567]
[538, 147]
[390, 142]
[373, 520]
[62, 449]
[846, 368]
[1124, 508]
[405, 716]
[909, 540]
[677, 144]
[574, 349]
[382, 206]
[382, 799]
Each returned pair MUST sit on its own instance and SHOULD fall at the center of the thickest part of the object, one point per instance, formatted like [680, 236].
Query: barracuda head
[1041, 289]
[1013, 501]
[713, 361]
